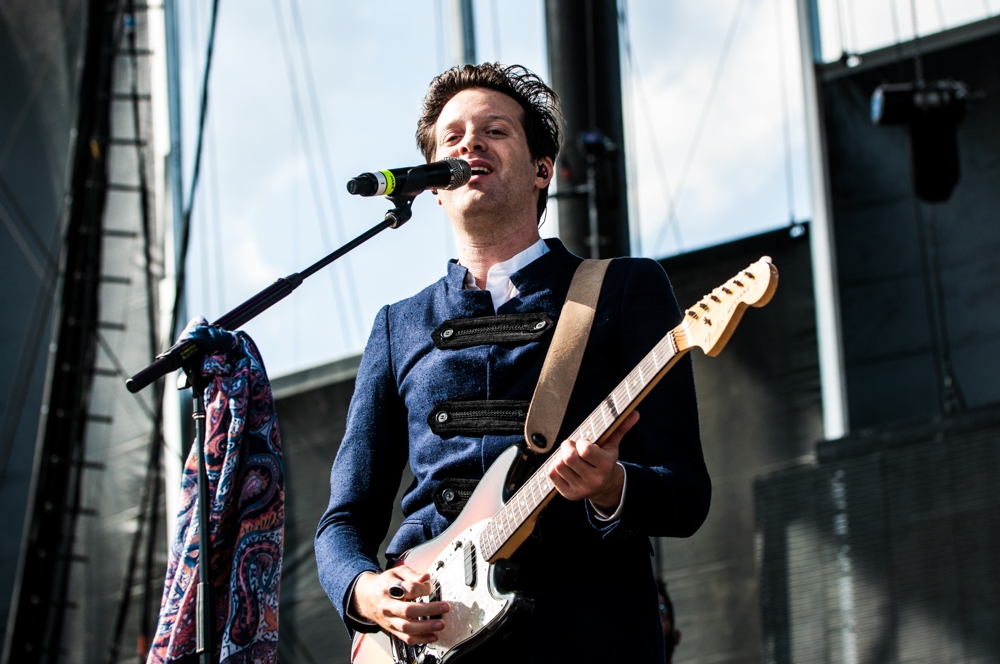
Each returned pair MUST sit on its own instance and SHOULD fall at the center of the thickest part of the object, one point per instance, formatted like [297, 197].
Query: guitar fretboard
[534, 493]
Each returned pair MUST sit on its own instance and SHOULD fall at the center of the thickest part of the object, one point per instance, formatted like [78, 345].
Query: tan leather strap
[562, 363]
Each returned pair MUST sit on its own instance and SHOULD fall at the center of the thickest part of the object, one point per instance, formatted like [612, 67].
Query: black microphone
[449, 173]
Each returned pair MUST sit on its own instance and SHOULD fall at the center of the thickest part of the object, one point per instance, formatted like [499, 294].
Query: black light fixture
[932, 111]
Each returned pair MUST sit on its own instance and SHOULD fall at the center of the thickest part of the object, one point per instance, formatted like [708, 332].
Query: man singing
[587, 566]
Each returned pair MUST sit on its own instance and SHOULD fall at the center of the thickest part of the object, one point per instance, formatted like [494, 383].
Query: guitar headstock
[711, 321]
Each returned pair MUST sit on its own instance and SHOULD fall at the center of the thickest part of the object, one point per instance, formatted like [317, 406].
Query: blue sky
[272, 196]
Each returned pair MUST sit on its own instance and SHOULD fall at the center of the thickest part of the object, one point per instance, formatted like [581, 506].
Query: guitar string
[507, 520]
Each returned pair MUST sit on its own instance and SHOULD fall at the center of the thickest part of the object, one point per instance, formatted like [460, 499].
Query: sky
[305, 94]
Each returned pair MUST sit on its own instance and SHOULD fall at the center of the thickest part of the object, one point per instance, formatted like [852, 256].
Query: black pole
[205, 625]
[586, 74]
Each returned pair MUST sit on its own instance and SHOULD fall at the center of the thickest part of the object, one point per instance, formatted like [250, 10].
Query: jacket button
[447, 333]
[442, 417]
[448, 495]
[539, 325]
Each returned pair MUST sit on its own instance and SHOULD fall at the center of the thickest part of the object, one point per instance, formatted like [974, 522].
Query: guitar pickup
[435, 596]
[470, 565]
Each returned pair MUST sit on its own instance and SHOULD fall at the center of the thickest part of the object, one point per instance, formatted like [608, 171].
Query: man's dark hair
[540, 103]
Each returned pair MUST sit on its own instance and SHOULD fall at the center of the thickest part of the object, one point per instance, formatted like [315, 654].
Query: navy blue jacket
[592, 583]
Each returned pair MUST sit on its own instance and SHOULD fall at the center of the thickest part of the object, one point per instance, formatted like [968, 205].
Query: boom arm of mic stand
[183, 351]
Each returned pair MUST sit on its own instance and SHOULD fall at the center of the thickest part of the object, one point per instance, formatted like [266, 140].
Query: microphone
[449, 173]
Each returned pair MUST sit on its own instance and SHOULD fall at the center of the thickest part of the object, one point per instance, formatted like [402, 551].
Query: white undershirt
[498, 282]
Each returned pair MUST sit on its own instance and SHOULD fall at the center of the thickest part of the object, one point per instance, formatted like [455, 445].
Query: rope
[314, 184]
[495, 16]
[185, 239]
[840, 26]
[48, 255]
[220, 255]
[716, 78]
[852, 24]
[940, 13]
[338, 219]
[786, 128]
[22, 115]
[630, 127]
[895, 21]
[40, 311]
[631, 164]
[442, 57]
[918, 61]
[634, 70]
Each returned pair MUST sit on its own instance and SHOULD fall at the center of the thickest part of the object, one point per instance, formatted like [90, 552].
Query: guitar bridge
[403, 653]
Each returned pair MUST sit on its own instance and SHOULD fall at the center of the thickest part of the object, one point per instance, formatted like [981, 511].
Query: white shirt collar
[498, 282]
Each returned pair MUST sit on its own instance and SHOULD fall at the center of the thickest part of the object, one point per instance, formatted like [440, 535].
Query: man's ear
[544, 172]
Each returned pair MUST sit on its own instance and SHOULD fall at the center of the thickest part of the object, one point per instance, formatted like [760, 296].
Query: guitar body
[461, 577]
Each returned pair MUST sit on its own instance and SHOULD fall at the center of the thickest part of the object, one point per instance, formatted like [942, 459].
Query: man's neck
[478, 255]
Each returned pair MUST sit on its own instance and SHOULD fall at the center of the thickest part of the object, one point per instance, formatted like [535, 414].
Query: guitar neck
[601, 423]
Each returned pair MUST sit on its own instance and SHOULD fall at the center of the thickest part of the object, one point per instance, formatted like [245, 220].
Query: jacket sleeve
[669, 489]
[365, 475]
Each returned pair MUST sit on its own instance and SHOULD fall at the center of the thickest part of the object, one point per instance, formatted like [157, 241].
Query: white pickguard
[472, 608]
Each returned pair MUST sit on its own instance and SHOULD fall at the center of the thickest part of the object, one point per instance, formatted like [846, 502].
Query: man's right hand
[405, 619]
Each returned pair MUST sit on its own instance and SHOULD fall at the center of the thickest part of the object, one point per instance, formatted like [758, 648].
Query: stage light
[932, 111]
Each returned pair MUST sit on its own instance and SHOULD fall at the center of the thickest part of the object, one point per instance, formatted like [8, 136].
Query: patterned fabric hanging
[247, 511]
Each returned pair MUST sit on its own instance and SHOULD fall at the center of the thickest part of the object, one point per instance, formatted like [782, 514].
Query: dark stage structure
[883, 548]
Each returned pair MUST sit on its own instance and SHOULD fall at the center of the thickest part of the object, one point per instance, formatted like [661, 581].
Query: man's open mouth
[481, 170]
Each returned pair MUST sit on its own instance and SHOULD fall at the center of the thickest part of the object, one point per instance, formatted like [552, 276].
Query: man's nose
[472, 142]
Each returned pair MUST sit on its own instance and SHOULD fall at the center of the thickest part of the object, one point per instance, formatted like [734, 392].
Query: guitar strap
[562, 363]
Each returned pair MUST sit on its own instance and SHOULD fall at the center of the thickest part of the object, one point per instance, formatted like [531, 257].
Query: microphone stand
[188, 356]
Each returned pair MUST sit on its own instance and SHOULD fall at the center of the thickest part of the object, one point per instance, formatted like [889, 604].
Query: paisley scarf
[246, 489]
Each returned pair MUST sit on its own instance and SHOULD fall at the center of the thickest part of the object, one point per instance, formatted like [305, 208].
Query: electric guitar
[467, 562]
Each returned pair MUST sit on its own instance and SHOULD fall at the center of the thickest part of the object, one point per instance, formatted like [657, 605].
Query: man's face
[484, 127]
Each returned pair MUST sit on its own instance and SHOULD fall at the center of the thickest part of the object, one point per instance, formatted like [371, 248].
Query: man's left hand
[591, 472]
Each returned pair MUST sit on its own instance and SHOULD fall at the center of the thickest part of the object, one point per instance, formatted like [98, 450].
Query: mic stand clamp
[400, 214]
